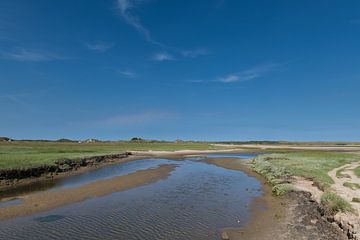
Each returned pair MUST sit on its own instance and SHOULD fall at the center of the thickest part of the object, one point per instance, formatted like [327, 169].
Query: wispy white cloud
[99, 47]
[126, 8]
[139, 118]
[162, 57]
[22, 54]
[229, 78]
[195, 53]
[249, 74]
[196, 81]
[127, 73]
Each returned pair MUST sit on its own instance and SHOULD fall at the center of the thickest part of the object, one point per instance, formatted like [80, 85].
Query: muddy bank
[294, 216]
[42, 201]
[13, 180]
[58, 166]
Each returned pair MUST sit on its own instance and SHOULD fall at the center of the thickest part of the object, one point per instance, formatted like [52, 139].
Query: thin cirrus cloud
[23, 54]
[99, 47]
[195, 53]
[250, 74]
[127, 73]
[126, 8]
[160, 57]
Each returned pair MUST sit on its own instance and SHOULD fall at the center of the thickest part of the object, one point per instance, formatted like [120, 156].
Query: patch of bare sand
[352, 220]
[294, 216]
[155, 153]
[349, 221]
[43, 201]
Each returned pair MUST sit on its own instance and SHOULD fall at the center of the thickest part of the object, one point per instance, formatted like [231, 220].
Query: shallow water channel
[196, 201]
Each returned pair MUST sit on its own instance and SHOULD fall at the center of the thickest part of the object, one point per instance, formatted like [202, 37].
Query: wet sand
[42, 201]
[294, 216]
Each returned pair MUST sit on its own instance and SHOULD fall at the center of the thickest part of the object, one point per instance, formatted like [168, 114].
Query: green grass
[334, 203]
[21, 154]
[356, 200]
[353, 186]
[357, 171]
[309, 164]
[282, 189]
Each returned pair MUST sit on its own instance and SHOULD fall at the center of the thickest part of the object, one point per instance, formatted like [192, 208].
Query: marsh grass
[277, 176]
[282, 189]
[22, 154]
[353, 186]
[333, 203]
[308, 164]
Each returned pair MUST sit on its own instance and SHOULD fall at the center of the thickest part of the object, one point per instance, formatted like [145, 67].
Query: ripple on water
[49, 218]
[195, 202]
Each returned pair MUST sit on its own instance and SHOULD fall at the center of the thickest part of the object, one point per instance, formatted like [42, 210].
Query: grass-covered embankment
[23, 154]
[308, 164]
[278, 168]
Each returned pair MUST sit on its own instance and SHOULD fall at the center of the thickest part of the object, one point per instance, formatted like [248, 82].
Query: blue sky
[159, 69]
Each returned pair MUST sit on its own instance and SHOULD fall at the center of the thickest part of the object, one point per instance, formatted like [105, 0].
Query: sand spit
[43, 201]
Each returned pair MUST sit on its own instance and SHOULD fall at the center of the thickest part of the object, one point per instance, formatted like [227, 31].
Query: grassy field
[312, 164]
[19, 154]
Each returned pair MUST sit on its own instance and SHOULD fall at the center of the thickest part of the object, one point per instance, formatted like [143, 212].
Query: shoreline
[284, 216]
[7, 186]
[47, 200]
[280, 213]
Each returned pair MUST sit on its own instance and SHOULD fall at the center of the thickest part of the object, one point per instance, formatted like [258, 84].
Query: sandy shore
[295, 216]
[46, 200]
